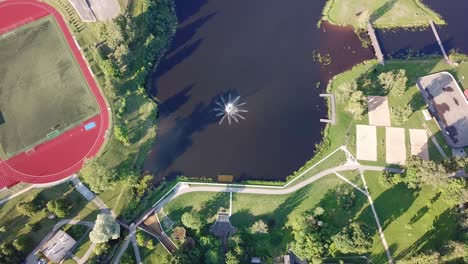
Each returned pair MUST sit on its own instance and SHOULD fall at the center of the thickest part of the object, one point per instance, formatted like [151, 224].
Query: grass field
[157, 255]
[43, 89]
[415, 221]
[15, 224]
[383, 13]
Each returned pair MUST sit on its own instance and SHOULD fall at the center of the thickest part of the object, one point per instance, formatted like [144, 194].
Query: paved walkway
[371, 202]
[183, 188]
[189, 187]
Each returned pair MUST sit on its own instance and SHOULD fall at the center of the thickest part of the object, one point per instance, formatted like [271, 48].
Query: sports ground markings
[103, 116]
[166, 221]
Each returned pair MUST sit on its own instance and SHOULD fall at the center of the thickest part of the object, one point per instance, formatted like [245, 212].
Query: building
[449, 106]
[57, 247]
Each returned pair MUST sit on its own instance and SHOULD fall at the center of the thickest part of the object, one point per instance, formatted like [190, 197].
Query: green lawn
[412, 220]
[157, 255]
[277, 210]
[82, 247]
[15, 223]
[383, 13]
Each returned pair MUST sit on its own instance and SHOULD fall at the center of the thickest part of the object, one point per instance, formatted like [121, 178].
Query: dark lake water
[261, 50]
[454, 35]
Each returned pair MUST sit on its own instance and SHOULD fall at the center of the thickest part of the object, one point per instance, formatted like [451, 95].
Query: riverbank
[382, 13]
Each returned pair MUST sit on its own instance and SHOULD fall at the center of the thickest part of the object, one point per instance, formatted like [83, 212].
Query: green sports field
[42, 89]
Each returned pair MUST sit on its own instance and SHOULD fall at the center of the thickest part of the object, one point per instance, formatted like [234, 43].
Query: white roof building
[57, 247]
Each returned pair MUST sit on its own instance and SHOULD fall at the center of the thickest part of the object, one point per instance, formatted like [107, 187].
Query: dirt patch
[395, 145]
[379, 113]
[366, 142]
[419, 145]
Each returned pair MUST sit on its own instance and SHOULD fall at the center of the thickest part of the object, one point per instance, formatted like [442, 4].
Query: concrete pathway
[35, 186]
[377, 220]
[124, 246]
[371, 202]
[136, 250]
[90, 196]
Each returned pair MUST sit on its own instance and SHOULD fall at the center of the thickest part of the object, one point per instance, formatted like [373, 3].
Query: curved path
[188, 187]
[64, 155]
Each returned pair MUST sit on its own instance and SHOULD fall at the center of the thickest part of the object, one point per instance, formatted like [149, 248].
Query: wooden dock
[375, 43]
[436, 34]
[331, 119]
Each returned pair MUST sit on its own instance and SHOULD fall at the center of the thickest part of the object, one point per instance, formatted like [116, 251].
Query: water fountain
[230, 108]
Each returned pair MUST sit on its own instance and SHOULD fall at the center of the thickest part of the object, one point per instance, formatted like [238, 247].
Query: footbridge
[375, 43]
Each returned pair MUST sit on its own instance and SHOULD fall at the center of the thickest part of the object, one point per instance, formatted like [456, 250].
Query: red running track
[64, 155]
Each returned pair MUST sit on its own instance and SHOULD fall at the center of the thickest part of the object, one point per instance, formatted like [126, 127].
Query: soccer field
[42, 89]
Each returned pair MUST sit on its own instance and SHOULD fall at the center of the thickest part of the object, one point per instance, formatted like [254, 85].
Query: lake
[261, 50]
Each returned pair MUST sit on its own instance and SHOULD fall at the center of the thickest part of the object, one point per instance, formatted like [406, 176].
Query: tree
[105, 229]
[98, 175]
[352, 239]
[432, 258]
[27, 208]
[22, 244]
[179, 234]
[401, 114]
[121, 134]
[394, 82]
[57, 207]
[140, 239]
[454, 191]
[259, 227]
[192, 220]
[231, 258]
[419, 172]
[345, 90]
[308, 247]
[455, 252]
[318, 211]
[357, 104]
[2, 229]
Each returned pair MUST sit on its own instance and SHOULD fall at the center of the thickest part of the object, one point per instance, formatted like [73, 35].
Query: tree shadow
[243, 218]
[419, 214]
[381, 11]
[442, 230]
[176, 215]
[212, 206]
[188, 8]
[387, 210]
[173, 103]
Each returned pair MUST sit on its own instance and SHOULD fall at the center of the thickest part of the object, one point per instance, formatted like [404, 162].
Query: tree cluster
[356, 102]
[394, 82]
[105, 229]
[58, 207]
[401, 114]
[15, 251]
[419, 172]
[98, 175]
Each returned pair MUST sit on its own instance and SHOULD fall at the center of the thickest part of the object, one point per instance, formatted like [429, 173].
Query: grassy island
[382, 13]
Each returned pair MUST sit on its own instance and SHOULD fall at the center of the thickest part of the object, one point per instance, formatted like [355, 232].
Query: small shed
[57, 247]
[256, 260]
